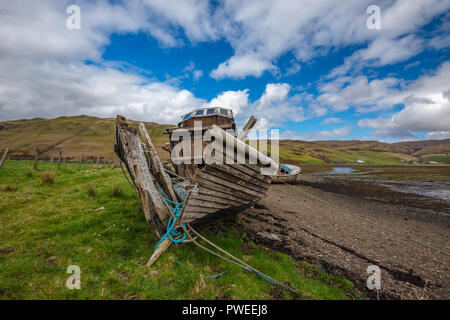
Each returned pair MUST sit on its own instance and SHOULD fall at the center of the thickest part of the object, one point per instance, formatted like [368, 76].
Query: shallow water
[338, 170]
[427, 189]
[418, 186]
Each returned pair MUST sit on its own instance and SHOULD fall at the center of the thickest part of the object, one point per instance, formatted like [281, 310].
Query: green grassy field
[291, 153]
[79, 220]
[440, 158]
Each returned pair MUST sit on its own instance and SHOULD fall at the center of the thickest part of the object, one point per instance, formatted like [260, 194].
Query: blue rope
[170, 232]
[218, 275]
[261, 275]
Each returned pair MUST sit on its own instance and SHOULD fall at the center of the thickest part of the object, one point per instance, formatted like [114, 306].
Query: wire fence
[17, 165]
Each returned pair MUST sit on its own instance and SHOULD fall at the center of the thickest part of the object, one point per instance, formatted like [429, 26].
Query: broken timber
[3, 157]
[130, 151]
[157, 167]
[248, 126]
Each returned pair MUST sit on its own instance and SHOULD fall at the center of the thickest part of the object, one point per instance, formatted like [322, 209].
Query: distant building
[359, 161]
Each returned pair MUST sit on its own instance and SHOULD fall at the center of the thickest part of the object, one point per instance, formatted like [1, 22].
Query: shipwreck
[223, 176]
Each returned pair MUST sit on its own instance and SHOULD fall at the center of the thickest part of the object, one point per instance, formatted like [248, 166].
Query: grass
[440, 158]
[46, 228]
[91, 191]
[117, 190]
[48, 177]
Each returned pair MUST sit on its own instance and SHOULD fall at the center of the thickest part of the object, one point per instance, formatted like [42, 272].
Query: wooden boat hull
[224, 189]
[217, 189]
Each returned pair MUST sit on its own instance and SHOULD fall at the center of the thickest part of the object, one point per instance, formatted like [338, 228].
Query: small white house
[359, 161]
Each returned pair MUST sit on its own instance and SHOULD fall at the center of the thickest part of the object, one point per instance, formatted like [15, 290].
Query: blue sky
[315, 71]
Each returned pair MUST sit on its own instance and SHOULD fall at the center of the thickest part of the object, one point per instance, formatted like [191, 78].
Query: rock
[267, 235]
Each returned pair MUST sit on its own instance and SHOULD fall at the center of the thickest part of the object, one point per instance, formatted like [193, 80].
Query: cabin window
[199, 112]
[224, 112]
[187, 116]
[210, 111]
[285, 169]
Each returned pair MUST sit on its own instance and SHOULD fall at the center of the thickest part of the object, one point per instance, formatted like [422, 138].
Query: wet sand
[289, 221]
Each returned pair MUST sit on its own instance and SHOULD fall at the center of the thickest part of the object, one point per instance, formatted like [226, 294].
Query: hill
[371, 152]
[92, 137]
[75, 136]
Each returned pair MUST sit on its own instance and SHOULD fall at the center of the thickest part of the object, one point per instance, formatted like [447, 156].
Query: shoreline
[289, 221]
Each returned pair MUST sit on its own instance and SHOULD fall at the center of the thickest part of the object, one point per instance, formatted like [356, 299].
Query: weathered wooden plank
[221, 136]
[239, 174]
[232, 159]
[196, 202]
[163, 246]
[238, 181]
[181, 170]
[191, 209]
[250, 169]
[215, 199]
[157, 168]
[2, 160]
[248, 126]
[193, 216]
[210, 192]
[228, 184]
[205, 182]
[129, 149]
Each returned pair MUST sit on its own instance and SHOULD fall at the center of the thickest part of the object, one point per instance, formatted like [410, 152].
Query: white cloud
[346, 92]
[276, 105]
[398, 39]
[241, 66]
[54, 89]
[332, 120]
[427, 108]
[191, 71]
[234, 100]
[438, 135]
[338, 133]
[192, 16]
[262, 31]
[294, 68]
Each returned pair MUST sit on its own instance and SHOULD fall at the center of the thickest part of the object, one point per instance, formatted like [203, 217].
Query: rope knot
[174, 236]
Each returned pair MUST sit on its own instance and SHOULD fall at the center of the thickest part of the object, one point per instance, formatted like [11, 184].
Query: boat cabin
[208, 116]
[220, 117]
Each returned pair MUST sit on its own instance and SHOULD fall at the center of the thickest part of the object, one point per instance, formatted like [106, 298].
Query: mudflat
[290, 221]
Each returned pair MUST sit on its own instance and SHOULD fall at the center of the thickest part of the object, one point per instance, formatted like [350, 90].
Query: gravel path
[289, 221]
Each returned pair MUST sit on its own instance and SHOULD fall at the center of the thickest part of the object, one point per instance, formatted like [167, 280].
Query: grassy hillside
[92, 218]
[74, 136]
[371, 152]
[94, 137]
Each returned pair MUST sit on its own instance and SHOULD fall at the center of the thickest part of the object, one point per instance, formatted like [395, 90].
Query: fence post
[36, 155]
[59, 159]
[3, 157]
[79, 165]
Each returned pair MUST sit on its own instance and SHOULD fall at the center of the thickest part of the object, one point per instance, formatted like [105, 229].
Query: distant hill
[371, 152]
[74, 136]
[92, 137]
